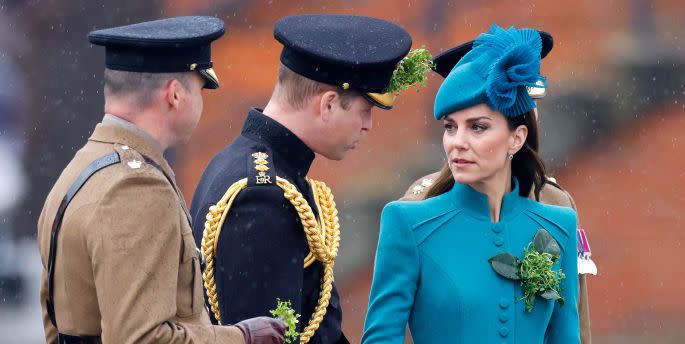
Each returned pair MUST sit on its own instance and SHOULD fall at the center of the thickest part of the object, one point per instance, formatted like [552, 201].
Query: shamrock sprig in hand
[285, 312]
[534, 270]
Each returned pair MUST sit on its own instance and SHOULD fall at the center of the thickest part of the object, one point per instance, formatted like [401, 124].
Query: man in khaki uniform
[119, 260]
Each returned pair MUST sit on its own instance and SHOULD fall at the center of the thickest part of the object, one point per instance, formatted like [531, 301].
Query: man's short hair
[297, 89]
[140, 87]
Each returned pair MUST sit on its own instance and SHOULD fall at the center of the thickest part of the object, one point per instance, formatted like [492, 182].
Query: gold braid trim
[323, 237]
[213, 223]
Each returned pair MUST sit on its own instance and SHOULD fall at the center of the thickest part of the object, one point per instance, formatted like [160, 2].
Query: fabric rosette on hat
[502, 70]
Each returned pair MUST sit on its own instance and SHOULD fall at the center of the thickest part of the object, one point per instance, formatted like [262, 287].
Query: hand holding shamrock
[285, 312]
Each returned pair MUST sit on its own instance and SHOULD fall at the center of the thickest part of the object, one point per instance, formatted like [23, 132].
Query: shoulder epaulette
[130, 157]
[260, 168]
[553, 181]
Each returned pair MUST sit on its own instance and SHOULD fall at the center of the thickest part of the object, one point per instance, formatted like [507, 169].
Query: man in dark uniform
[334, 69]
[119, 261]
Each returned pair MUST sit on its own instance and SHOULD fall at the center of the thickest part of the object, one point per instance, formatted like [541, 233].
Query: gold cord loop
[323, 236]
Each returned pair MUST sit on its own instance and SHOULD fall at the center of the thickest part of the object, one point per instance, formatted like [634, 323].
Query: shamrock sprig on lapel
[534, 270]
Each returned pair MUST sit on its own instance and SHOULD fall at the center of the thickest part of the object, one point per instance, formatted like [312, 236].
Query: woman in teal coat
[477, 261]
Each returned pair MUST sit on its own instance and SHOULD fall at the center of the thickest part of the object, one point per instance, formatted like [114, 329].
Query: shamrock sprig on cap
[534, 270]
[411, 70]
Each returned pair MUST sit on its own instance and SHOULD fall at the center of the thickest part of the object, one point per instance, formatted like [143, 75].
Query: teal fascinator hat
[502, 70]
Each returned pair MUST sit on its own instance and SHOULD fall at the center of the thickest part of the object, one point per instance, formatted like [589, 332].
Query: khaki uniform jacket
[551, 193]
[127, 268]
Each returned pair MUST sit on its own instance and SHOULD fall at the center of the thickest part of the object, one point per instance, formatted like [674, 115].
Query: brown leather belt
[67, 339]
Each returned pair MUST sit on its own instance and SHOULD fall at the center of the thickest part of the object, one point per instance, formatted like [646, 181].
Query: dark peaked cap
[347, 51]
[172, 45]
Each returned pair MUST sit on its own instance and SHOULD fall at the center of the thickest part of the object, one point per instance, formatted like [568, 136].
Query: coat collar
[115, 130]
[292, 152]
[476, 203]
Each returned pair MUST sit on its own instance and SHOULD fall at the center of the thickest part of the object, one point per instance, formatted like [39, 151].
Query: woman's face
[478, 141]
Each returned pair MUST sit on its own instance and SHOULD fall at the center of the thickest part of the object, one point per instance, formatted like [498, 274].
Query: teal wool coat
[432, 272]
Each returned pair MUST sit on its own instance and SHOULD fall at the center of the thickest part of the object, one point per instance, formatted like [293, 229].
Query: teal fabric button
[503, 317]
[498, 241]
[504, 331]
[497, 227]
[504, 303]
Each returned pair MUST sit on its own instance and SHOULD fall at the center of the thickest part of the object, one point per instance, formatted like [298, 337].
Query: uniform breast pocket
[189, 297]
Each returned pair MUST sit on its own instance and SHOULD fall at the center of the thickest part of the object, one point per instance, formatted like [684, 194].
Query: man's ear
[518, 138]
[173, 92]
[328, 102]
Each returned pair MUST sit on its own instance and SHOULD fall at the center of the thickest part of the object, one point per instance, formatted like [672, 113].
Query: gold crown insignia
[260, 155]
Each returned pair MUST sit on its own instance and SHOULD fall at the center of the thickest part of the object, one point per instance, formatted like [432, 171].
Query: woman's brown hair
[527, 166]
